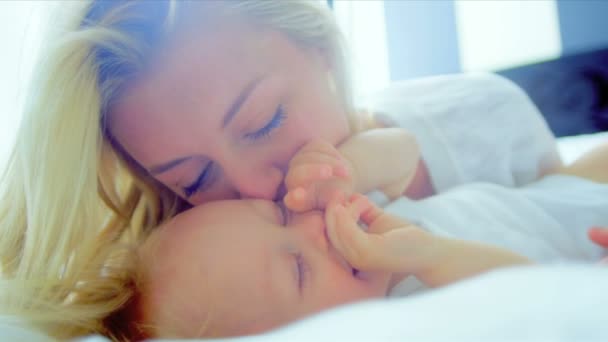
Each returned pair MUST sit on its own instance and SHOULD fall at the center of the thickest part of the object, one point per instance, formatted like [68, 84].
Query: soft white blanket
[536, 303]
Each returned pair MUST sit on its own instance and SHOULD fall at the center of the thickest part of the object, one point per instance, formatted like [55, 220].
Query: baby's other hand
[317, 173]
[391, 244]
[600, 237]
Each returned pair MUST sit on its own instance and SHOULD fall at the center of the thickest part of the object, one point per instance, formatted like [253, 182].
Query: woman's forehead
[193, 84]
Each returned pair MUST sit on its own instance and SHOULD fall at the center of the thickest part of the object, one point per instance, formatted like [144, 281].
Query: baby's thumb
[313, 197]
[372, 252]
[379, 222]
[599, 236]
[299, 200]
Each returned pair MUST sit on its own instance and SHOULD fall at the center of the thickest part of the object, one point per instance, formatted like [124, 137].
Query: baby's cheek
[354, 290]
[375, 290]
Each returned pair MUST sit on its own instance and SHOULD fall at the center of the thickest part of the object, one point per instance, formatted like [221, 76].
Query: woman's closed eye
[275, 122]
[202, 181]
[284, 213]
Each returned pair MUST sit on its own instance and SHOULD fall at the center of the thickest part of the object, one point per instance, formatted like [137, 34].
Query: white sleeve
[546, 220]
[472, 127]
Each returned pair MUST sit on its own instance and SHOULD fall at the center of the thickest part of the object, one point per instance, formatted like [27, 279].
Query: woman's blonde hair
[72, 202]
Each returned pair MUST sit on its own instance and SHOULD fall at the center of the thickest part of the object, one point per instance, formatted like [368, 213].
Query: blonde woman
[141, 109]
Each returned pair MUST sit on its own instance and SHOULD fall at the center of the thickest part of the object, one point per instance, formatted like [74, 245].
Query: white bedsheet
[559, 303]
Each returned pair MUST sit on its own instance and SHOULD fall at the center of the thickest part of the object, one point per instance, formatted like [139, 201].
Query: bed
[539, 303]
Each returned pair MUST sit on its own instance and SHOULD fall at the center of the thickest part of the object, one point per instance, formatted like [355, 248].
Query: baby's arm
[592, 165]
[470, 130]
[599, 235]
[394, 245]
[385, 159]
[459, 259]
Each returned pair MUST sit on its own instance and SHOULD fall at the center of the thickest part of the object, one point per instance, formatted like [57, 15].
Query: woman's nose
[257, 182]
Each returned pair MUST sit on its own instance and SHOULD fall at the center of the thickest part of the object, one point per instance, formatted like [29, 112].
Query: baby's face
[244, 266]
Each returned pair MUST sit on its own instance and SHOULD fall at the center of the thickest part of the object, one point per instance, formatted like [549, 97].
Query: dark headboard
[571, 91]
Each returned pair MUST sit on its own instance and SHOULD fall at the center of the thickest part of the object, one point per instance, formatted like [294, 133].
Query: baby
[245, 266]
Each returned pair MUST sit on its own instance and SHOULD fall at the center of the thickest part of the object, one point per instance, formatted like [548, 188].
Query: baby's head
[242, 267]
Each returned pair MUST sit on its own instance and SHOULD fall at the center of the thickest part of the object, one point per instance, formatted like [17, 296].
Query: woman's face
[221, 111]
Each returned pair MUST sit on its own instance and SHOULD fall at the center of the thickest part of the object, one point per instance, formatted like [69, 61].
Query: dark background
[572, 91]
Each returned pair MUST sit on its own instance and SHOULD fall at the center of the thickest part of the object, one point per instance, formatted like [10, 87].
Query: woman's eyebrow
[240, 99]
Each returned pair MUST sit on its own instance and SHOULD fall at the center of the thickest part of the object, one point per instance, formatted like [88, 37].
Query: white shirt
[478, 127]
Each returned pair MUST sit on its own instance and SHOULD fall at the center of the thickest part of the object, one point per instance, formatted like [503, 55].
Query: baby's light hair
[155, 307]
[72, 202]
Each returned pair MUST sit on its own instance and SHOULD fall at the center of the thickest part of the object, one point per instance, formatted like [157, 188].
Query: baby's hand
[600, 237]
[391, 244]
[317, 173]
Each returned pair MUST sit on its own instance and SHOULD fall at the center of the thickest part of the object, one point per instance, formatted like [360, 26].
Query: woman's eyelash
[303, 270]
[285, 213]
[275, 122]
[193, 188]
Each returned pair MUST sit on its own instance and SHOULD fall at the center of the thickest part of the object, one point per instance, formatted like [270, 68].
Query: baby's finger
[304, 175]
[599, 236]
[316, 196]
[298, 200]
[361, 250]
[372, 213]
[358, 204]
[378, 221]
[399, 250]
[334, 218]
[342, 171]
